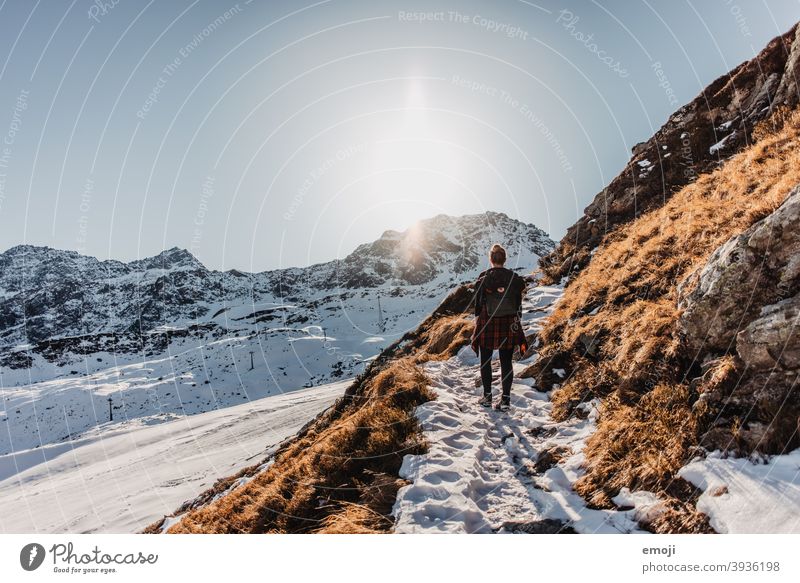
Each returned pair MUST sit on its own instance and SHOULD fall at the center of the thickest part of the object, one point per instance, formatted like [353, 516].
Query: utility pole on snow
[251, 360]
[110, 410]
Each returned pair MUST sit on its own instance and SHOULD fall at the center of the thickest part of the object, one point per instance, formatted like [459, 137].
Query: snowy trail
[122, 478]
[488, 471]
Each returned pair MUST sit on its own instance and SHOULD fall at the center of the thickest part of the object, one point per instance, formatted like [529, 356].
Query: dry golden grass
[639, 446]
[446, 336]
[331, 469]
[355, 519]
[340, 474]
[647, 425]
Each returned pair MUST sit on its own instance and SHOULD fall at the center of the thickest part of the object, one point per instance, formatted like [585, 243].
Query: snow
[123, 477]
[646, 167]
[299, 327]
[741, 496]
[646, 505]
[721, 144]
[51, 402]
[222, 372]
[480, 473]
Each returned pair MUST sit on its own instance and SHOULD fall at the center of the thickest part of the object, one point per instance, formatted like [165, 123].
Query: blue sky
[269, 134]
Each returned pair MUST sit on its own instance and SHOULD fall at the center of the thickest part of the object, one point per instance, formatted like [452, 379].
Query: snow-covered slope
[164, 336]
[121, 478]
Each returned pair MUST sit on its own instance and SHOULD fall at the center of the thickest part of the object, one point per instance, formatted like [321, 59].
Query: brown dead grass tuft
[446, 336]
[615, 329]
[355, 519]
[721, 375]
[655, 433]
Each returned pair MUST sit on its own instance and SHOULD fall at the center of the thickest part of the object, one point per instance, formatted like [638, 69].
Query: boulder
[748, 273]
[745, 303]
[772, 339]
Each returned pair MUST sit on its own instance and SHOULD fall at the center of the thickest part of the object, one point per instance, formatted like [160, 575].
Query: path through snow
[488, 471]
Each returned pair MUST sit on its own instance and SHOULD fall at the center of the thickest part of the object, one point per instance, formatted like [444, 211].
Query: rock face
[745, 303]
[745, 276]
[772, 341]
[716, 124]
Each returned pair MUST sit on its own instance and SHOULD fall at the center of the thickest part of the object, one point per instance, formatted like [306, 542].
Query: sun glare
[416, 158]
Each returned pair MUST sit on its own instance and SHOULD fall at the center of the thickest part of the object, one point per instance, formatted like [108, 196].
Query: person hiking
[498, 307]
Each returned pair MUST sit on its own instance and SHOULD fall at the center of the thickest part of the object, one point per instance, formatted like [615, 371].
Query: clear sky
[271, 134]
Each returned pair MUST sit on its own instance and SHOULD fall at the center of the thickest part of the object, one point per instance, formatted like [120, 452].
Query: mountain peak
[172, 258]
[26, 249]
[442, 247]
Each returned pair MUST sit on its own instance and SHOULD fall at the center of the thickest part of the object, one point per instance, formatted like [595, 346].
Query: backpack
[506, 302]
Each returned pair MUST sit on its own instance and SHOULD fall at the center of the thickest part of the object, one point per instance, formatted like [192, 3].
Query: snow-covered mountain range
[164, 336]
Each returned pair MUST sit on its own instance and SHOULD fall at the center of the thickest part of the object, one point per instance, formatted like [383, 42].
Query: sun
[417, 158]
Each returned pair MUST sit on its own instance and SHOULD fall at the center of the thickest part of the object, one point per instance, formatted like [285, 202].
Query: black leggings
[506, 370]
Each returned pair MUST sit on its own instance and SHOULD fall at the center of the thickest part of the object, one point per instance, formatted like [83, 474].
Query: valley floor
[122, 478]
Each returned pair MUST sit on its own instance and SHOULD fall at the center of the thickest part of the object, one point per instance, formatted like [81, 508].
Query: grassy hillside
[719, 122]
[618, 335]
[616, 330]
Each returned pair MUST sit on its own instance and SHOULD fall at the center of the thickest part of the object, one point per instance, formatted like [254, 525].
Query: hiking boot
[504, 404]
[486, 401]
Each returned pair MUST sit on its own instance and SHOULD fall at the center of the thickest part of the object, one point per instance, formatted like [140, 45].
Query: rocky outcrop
[772, 341]
[750, 272]
[716, 124]
[744, 304]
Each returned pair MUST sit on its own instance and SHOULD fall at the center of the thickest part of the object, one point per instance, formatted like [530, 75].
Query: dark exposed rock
[550, 457]
[546, 526]
[716, 124]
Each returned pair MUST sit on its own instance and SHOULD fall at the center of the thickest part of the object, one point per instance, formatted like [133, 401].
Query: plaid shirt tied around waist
[498, 331]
